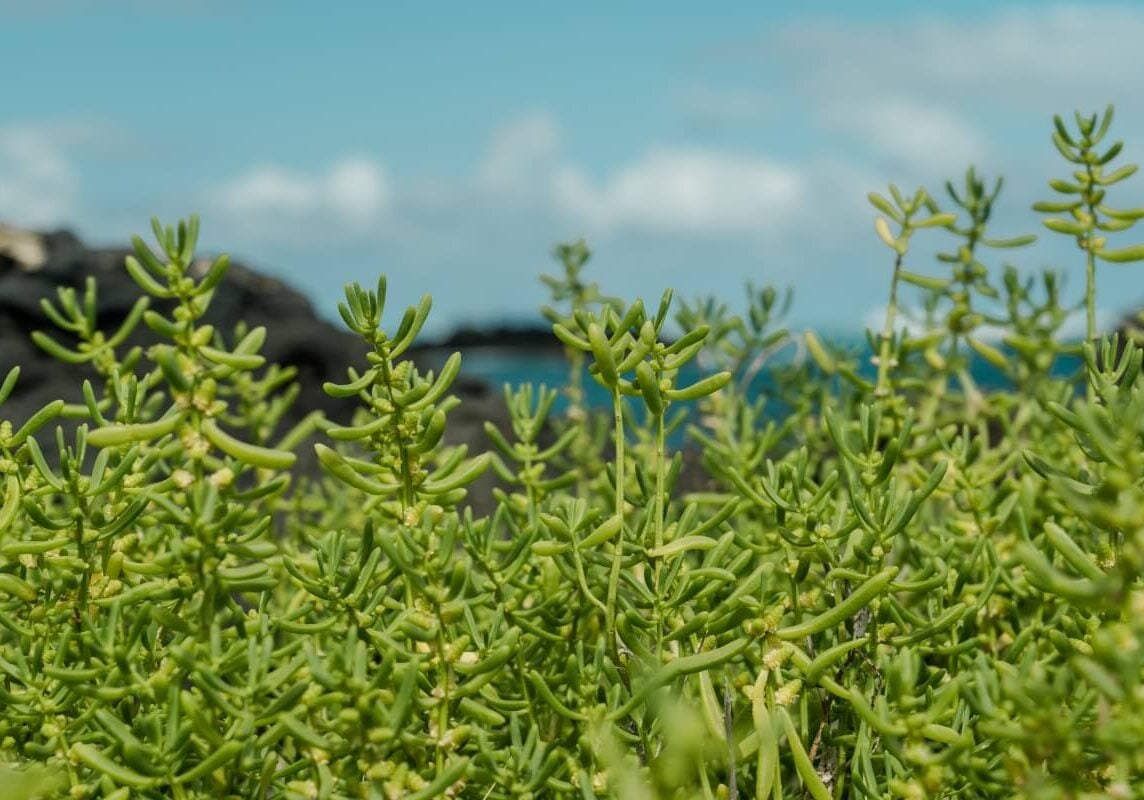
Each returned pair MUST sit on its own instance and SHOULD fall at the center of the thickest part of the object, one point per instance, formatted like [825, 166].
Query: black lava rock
[33, 265]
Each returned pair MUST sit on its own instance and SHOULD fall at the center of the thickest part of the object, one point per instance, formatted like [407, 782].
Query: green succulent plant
[889, 583]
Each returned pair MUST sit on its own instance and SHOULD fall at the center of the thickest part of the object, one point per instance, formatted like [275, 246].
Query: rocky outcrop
[1132, 327]
[33, 265]
[24, 248]
[520, 338]
[32, 269]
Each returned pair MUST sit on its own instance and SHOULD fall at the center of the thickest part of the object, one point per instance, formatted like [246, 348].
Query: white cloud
[1076, 324]
[918, 133]
[712, 105]
[1021, 57]
[38, 184]
[928, 94]
[673, 191]
[269, 189]
[357, 188]
[352, 191]
[520, 156]
[907, 319]
[690, 191]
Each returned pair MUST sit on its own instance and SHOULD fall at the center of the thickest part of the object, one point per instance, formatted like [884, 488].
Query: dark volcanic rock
[1132, 327]
[523, 337]
[33, 265]
[296, 336]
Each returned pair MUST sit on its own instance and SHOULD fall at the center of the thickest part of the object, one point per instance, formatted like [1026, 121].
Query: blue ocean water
[497, 367]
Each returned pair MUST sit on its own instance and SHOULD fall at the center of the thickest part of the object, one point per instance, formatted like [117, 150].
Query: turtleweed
[887, 583]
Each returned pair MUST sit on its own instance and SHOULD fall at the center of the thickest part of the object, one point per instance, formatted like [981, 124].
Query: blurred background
[451, 146]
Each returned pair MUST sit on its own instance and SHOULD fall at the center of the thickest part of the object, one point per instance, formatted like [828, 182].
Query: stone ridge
[33, 264]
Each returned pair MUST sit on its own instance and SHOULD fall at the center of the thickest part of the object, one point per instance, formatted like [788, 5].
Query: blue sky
[451, 146]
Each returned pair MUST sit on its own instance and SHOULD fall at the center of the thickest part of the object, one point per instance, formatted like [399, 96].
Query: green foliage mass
[899, 587]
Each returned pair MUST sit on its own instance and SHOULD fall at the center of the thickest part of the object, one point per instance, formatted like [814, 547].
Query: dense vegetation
[900, 586]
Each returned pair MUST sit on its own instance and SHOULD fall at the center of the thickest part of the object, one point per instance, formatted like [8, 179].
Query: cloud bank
[38, 183]
[778, 139]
